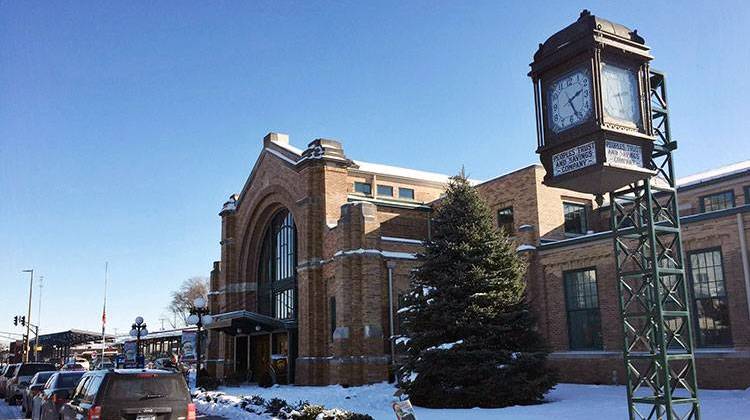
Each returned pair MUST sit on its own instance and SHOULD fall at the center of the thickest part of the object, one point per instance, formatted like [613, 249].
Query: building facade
[317, 248]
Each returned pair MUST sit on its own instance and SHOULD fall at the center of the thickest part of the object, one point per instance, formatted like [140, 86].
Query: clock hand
[570, 102]
[577, 93]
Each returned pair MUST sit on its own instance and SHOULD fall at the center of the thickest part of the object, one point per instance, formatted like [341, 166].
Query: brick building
[317, 248]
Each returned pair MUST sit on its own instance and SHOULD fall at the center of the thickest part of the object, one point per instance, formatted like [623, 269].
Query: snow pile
[256, 407]
[566, 401]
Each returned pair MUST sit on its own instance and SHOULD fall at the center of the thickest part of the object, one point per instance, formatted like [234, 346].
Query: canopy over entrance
[245, 322]
[72, 338]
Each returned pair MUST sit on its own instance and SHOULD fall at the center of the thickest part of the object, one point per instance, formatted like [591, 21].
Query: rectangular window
[284, 304]
[385, 191]
[747, 194]
[406, 193]
[576, 222]
[710, 307]
[333, 315]
[363, 188]
[719, 201]
[505, 220]
[582, 305]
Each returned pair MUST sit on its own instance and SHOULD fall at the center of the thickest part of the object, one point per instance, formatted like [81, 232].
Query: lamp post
[199, 317]
[138, 330]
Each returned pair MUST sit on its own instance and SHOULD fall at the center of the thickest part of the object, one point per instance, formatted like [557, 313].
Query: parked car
[8, 373]
[104, 363]
[47, 404]
[73, 367]
[36, 384]
[20, 380]
[130, 394]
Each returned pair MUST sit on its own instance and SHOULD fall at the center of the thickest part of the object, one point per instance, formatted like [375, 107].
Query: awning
[72, 338]
[246, 322]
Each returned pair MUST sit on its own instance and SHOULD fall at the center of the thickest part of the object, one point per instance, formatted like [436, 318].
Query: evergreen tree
[469, 335]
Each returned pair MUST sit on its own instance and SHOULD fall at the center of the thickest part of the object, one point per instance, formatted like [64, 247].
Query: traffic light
[15, 320]
[23, 320]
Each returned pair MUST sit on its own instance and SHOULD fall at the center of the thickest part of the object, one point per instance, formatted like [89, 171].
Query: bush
[275, 406]
[309, 412]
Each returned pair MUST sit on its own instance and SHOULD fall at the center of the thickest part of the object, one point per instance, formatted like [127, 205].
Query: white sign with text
[623, 154]
[573, 159]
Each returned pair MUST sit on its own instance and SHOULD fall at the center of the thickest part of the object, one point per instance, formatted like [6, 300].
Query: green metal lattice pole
[658, 348]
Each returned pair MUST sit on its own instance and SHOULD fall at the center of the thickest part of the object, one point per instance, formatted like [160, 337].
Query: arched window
[277, 271]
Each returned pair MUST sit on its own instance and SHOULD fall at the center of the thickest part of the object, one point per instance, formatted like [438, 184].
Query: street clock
[593, 115]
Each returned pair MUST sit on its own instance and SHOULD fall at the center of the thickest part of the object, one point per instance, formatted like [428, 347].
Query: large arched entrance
[274, 352]
[265, 340]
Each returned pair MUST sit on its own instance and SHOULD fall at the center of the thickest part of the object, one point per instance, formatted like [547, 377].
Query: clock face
[620, 94]
[569, 100]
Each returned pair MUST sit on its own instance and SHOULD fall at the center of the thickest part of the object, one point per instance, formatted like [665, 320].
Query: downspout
[391, 265]
[743, 255]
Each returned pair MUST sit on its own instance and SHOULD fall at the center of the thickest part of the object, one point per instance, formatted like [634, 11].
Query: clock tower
[591, 89]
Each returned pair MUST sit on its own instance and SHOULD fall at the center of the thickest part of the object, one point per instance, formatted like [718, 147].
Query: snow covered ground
[566, 401]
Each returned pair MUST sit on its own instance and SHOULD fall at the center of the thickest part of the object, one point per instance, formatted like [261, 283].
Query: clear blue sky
[125, 125]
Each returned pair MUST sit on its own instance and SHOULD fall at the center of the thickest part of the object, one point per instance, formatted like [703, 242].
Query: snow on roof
[713, 174]
[288, 147]
[378, 168]
[383, 169]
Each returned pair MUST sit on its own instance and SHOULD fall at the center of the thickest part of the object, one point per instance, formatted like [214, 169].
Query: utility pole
[38, 319]
[28, 316]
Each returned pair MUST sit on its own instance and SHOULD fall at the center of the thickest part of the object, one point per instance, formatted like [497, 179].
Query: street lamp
[138, 330]
[199, 317]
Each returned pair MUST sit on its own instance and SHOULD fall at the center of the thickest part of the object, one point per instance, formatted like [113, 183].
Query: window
[505, 220]
[333, 315]
[363, 188]
[747, 194]
[284, 304]
[710, 307]
[406, 193]
[81, 388]
[385, 190]
[582, 305]
[719, 201]
[575, 218]
[277, 271]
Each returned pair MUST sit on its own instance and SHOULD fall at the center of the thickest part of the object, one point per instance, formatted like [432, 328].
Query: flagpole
[104, 312]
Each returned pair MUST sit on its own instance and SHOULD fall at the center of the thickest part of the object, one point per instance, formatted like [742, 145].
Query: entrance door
[261, 359]
[241, 355]
[280, 357]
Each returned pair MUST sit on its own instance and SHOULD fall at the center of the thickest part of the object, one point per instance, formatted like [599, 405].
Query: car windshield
[42, 377]
[32, 368]
[11, 371]
[147, 386]
[68, 380]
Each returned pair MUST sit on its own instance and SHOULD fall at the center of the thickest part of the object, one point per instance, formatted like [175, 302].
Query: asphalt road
[10, 413]
[14, 413]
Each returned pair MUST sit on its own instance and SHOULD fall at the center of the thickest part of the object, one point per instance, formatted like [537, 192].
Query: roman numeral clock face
[569, 100]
